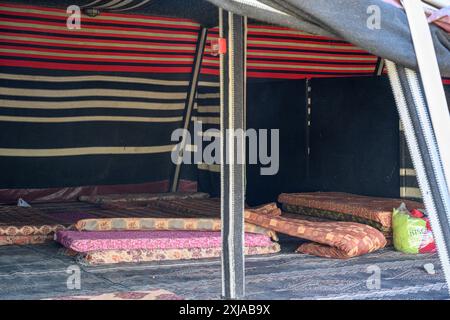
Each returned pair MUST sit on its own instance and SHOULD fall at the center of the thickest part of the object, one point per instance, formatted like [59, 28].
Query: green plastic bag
[412, 232]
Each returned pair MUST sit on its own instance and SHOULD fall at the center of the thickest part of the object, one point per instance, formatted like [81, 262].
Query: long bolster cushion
[128, 240]
[148, 255]
[374, 211]
[142, 197]
[334, 239]
[171, 224]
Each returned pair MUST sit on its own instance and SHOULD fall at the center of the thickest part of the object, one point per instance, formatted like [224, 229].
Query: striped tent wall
[276, 53]
[97, 105]
[280, 53]
[94, 106]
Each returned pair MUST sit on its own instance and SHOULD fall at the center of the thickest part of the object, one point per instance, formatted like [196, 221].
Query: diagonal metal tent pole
[378, 71]
[232, 167]
[426, 120]
[189, 105]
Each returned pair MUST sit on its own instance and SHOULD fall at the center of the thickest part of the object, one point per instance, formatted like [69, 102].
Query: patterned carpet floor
[39, 271]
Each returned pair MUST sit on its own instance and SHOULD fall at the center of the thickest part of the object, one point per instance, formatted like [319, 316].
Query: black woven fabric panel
[354, 137]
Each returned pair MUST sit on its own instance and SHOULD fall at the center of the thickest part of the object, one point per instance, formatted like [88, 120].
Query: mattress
[180, 214]
[129, 240]
[167, 224]
[376, 212]
[108, 247]
[330, 239]
[149, 255]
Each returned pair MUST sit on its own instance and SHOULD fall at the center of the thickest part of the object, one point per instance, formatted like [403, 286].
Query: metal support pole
[426, 121]
[379, 66]
[431, 79]
[232, 174]
[189, 106]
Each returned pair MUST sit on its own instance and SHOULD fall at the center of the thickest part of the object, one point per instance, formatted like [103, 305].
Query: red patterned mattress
[128, 240]
[107, 247]
[329, 239]
[376, 212]
[148, 255]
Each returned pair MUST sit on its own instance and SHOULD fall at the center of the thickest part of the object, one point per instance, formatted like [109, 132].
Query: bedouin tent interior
[88, 185]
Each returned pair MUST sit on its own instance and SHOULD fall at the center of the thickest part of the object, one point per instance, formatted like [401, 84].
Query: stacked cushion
[147, 255]
[330, 239]
[99, 247]
[373, 211]
[23, 226]
[127, 240]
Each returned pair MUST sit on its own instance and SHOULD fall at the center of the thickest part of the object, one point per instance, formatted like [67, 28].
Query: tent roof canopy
[348, 20]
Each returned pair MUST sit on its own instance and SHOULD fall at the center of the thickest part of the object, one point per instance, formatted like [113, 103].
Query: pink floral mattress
[128, 240]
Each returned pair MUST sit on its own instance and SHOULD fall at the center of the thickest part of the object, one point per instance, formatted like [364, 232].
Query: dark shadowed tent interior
[88, 114]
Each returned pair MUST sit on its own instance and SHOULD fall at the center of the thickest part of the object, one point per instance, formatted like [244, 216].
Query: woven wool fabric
[349, 239]
[158, 294]
[198, 207]
[127, 240]
[148, 255]
[346, 207]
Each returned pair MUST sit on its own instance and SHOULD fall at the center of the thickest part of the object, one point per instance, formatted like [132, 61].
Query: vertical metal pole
[190, 99]
[232, 174]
